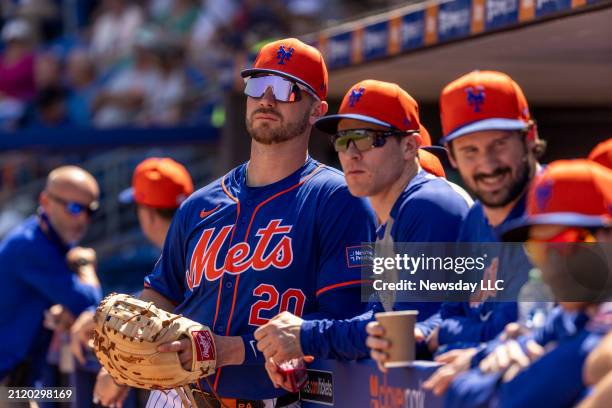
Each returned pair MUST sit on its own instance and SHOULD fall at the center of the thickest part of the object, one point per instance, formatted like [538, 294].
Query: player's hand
[80, 256]
[460, 357]
[183, 347]
[279, 339]
[276, 376]
[107, 392]
[513, 330]
[510, 358]
[377, 344]
[418, 335]
[432, 340]
[81, 334]
[57, 317]
[455, 362]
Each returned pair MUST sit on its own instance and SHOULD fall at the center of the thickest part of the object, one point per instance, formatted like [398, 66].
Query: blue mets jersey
[235, 256]
[35, 276]
[466, 324]
[430, 209]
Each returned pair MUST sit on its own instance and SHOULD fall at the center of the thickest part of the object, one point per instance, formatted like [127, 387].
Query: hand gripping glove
[127, 334]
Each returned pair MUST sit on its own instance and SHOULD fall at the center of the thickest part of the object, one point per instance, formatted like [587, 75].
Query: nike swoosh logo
[204, 213]
[485, 317]
[252, 342]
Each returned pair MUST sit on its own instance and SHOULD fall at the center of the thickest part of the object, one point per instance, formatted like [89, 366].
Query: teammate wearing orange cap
[493, 142]
[377, 134]
[280, 232]
[159, 186]
[602, 153]
[570, 202]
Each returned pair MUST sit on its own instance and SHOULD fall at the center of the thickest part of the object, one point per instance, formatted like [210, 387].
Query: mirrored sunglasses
[363, 139]
[75, 208]
[283, 89]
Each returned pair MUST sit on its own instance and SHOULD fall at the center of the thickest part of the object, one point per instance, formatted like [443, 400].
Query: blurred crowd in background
[115, 63]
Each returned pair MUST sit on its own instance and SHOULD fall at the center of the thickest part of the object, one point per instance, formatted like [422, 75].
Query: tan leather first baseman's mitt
[127, 334]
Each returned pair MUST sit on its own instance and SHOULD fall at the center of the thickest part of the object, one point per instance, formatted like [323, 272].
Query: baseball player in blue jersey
[41, 267]
[278, 233]
[377, 135]
[493, 143]
[569, 202]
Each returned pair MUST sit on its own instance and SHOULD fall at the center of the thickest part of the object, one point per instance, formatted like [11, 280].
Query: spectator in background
[115, 30]
[44, 15]
[50, 109]
[121, 101]
[17, 86]
[47, 71]
[164, 102]
[81, 79]
[177, 17]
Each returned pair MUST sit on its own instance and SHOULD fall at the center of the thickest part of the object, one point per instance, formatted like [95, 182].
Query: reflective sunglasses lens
[281, 88]
[75, 208]
[362, 139]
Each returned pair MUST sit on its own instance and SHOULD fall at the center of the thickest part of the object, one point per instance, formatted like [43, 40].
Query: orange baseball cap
[574, 193]
[292, 59]
[482, 100]
[377, 102]
[602, 153]
[431, 164]
[159, 182]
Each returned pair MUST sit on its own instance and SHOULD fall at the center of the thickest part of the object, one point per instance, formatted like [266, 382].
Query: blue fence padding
[78, 137]
[360, 384]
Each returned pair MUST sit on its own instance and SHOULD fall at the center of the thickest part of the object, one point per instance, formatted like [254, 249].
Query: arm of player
[50, 276]
[473, 328]
[287, 336]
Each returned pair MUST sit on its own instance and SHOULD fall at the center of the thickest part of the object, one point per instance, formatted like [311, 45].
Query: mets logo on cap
[543, 193]
[480, 101]
[292, 59]
[355, 95]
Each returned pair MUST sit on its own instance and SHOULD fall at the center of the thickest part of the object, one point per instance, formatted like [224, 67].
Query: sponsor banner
[500, 13]
[454, 20]
[337, 50]
[412, 31]
[319, 387]
[357, 46]
[361, 384]
[546, 7]
[375, 41]
[431, 25]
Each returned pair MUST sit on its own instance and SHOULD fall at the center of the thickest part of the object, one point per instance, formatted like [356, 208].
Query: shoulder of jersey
[437, 188]
[21, 238]
[211, 193]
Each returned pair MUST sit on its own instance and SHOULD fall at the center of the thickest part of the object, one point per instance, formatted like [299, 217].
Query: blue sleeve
[416, 217]
[48, 274]
[344, 223]
[463, 325]
[472, 390]
[336, 339]
[430, 324]
[559, 370]
[167, 277]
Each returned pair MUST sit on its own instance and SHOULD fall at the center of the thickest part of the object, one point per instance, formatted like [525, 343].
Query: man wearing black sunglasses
[38, 261]
[377, 135]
